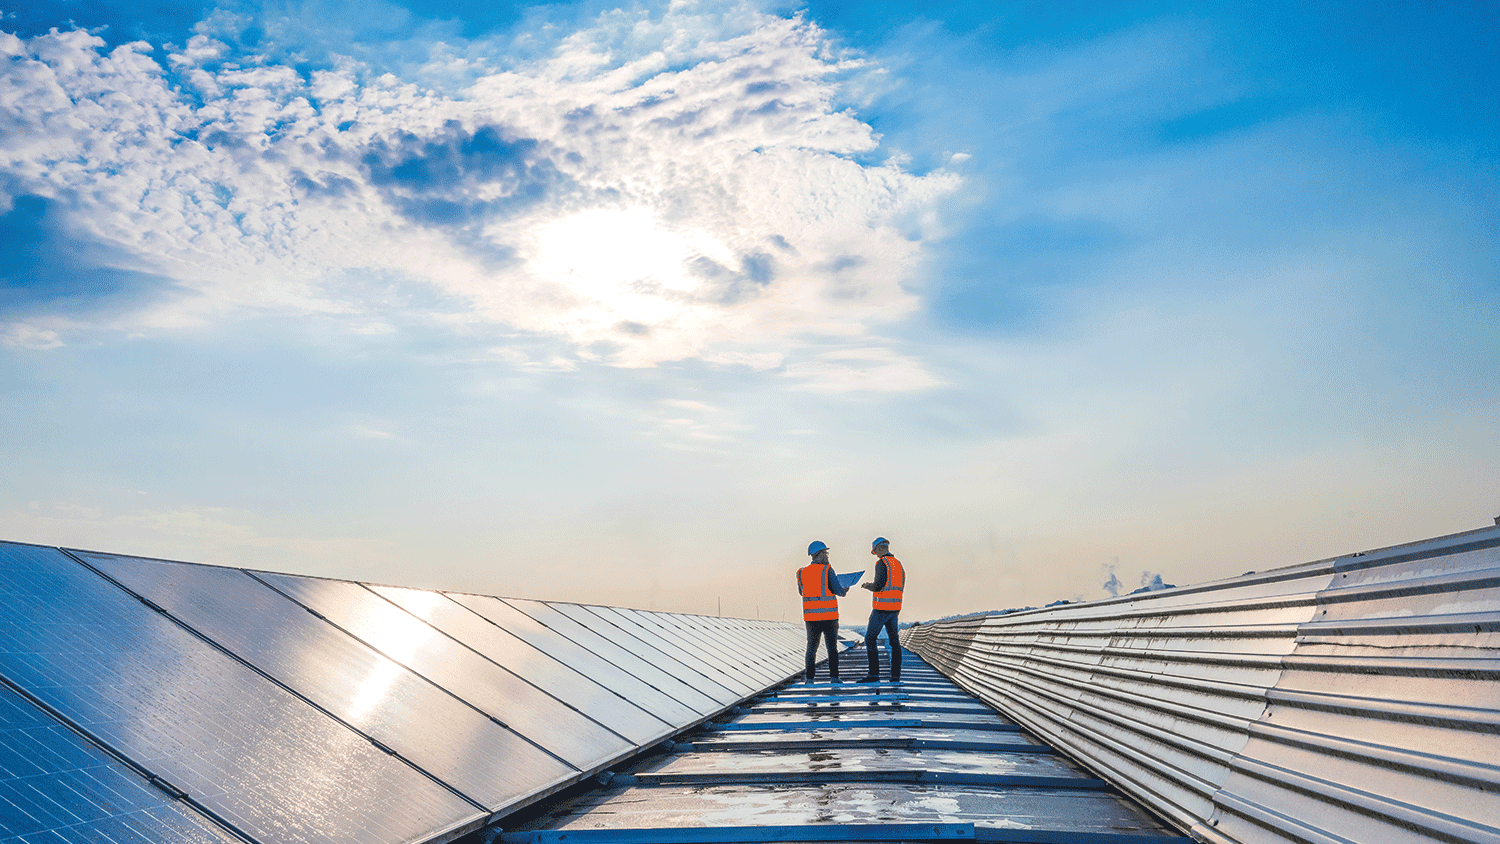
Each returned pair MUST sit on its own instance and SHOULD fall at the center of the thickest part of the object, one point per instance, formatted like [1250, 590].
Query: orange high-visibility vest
[889, 598]
[818, 604]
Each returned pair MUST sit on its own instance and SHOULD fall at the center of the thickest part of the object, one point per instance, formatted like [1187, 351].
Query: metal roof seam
[1068, 680]
[1402, 813]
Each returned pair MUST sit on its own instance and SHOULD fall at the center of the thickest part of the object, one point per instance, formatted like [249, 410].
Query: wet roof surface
[920, 760]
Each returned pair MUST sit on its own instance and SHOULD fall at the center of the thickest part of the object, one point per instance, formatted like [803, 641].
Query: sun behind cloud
[691, 190]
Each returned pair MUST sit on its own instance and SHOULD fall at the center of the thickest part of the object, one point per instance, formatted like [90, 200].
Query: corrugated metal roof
[916, 761]
[152, 701]
[1355, 699]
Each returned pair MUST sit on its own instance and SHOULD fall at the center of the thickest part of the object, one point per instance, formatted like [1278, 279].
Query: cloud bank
[647, 190]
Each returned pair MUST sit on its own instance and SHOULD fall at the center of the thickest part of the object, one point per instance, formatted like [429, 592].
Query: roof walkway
[920, 760]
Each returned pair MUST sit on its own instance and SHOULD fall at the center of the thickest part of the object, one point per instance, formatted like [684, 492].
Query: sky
[629, 304]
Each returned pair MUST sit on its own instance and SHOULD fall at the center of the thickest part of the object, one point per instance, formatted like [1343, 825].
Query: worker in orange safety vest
[820, 591]
[889, 584]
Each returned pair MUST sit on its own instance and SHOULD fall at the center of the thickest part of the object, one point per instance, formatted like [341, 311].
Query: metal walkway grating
[916, 761]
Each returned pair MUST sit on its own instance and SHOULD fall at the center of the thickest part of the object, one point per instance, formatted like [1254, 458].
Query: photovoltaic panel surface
[649, 653]
[617, 713]
[542, 719]
[744, 641]
[619, 651]
[238, 744]
[752, 640]
[687, 653]
[731, 665]
[54, 783]
[145, 700]
[552, 642]
[356, 684]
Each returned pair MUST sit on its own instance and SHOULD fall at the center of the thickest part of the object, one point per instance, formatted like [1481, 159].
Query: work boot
[869, 678]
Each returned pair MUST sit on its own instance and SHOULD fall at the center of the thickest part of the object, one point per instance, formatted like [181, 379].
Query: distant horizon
[847, 621]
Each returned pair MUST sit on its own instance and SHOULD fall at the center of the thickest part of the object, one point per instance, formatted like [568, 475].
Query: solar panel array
[151, 701]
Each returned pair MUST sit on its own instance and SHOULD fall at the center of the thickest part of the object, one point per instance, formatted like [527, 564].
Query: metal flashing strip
[782, 696]
[856, 707]
[838, 775]
[894, 723]
[798, 726]
[862, 742]
[815, 834]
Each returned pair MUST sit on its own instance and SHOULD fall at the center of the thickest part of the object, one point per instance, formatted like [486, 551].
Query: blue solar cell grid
[55, 786]
[354, 683]
[248, 750]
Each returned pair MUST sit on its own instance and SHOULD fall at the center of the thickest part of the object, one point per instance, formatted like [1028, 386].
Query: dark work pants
[829, 630]
[886, 620]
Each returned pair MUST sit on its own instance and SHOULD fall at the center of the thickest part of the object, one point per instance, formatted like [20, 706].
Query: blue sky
[629, 304]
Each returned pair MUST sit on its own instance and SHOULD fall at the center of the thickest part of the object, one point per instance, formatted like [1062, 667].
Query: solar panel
[356, 684]
[664, 661]
[735, 662]
[619, 714]
[541, 718]
[52, 780]
[685, 653]
[636, 689]
[738, 647]
[238, 744]
[618, 652]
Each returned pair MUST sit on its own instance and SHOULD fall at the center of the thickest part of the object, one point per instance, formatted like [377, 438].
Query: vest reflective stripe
[818, 604]
[889, 598]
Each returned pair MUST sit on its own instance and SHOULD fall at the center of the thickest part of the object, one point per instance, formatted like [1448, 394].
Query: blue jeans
[886, 620]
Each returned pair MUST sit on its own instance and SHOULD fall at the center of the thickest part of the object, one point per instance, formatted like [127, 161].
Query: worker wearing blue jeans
[888, 586]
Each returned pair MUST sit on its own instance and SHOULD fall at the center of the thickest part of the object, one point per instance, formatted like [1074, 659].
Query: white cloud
[651, 190]
[24, 336]
[870, 369]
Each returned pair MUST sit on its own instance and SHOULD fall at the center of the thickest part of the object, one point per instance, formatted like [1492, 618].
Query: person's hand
[869, 586]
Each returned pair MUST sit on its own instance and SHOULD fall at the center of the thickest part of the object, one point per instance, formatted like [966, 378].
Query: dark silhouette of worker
[889, 584]
[820, 591]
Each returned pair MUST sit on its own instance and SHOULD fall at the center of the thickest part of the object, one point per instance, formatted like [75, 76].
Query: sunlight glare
[624, 259]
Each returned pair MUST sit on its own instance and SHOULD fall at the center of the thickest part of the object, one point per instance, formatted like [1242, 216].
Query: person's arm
[879, 583]
[833, 584]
